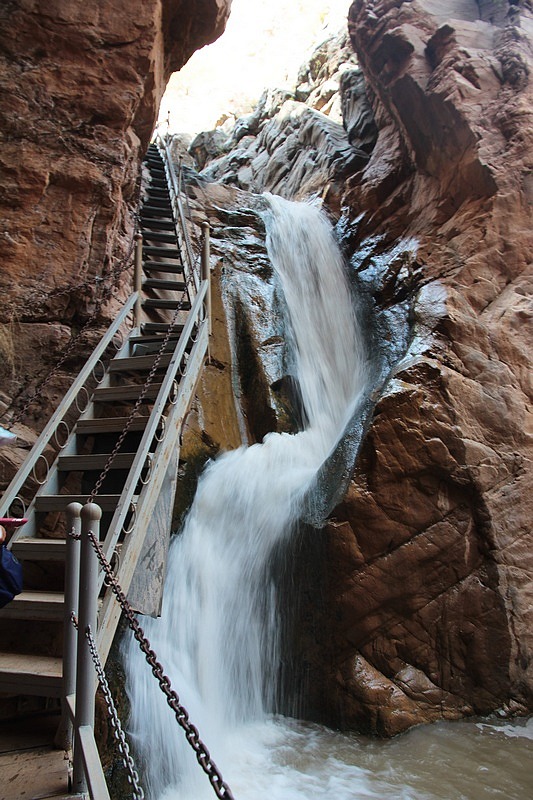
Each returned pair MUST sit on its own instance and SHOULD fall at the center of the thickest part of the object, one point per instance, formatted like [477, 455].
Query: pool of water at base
[282, 759]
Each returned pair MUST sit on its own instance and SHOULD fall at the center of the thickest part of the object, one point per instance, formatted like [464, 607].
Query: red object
[12, 522]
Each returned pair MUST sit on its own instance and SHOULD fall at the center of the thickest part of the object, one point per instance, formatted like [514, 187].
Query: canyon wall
[424, 160]
[81, 85]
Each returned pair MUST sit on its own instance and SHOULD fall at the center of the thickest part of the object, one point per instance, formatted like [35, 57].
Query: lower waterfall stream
[218, 637]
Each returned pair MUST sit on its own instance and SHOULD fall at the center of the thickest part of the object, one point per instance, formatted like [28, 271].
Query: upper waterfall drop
[218, 637]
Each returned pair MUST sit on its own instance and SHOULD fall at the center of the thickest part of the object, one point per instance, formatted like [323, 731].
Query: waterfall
[218, 636]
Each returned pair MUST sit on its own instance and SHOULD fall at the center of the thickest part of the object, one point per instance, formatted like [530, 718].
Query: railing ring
[120, 336]
[81, 410]
[95, 376]
[163, 421]
[56, 434]
[174, 393]
[146, 480]
[133, 520]
[115, 563]
[34, 473]
[22, 503]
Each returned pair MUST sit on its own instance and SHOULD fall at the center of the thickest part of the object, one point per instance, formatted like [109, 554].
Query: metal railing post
[91, 514]
[137, 279]
[206, 273]
[72, 580]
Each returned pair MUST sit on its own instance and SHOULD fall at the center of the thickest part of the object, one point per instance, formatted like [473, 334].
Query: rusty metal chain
[192, 734]
[118, 731]
[148, 382]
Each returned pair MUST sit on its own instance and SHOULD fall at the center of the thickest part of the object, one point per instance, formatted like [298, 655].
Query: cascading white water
[218, 634]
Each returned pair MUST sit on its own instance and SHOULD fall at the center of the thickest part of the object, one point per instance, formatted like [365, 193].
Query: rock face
[429, 554]
[81, 85]
[428, 598]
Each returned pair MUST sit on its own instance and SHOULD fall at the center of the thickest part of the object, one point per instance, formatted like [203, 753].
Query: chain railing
[83, 715]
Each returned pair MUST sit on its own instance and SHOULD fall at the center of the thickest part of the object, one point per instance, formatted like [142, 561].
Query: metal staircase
[115, 440]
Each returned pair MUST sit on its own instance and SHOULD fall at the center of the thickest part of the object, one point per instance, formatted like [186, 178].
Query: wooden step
[162, 266]
[37, 549]
[59, 502]
[137, 363]
[95, 461]
[30, 674]
[125, 394]
[36, 606]
[138, 341]
[111, 424]
[173, 305]
[161, 283]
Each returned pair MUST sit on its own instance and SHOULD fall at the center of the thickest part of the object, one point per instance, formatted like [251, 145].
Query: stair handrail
[66, 404]
[143, 449]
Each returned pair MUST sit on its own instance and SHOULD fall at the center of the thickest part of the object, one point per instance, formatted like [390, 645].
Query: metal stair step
[157, 208]
[110, 424]
[36, 606]
[156, 327]
[160, 236]
[156, 224]
[161, 283]
[94, 461]
[107, 394]
[162, 266]
[37, 549]
[138, 363]
[184, 305]
[138, 341]
[165, 252]
[59, 502]
[30, 674]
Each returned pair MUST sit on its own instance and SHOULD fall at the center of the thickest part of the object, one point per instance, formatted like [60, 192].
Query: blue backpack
[10, 576]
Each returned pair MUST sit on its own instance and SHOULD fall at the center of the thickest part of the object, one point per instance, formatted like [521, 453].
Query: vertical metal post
[137, 279]
[206, 276]
[72, 580]
[88, 599]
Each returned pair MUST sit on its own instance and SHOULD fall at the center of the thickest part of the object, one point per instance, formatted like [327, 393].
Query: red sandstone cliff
[430, 553]
[80, 85]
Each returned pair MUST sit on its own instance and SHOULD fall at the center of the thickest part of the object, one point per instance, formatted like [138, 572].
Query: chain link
[192, 735]
[118, 732]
